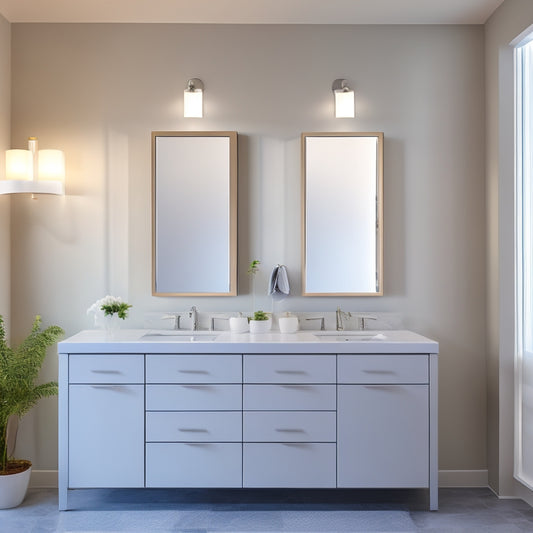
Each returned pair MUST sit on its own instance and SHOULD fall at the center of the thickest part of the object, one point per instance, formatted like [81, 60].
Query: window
[524, 264]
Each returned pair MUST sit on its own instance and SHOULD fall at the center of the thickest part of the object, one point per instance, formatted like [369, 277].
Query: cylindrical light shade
[19, 165]
[344, 104]
[51, 165]
[193, 103]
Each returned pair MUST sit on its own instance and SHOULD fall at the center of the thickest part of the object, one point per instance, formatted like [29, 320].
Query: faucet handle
[322, 321]
[173, 316]
[213, 318]
[366, 317]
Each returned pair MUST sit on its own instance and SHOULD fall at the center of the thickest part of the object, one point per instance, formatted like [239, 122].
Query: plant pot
[13, 487]
[288, 324]
[238, 324]
[260, 326]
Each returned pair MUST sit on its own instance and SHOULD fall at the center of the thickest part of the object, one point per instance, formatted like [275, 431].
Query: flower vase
[111, 325]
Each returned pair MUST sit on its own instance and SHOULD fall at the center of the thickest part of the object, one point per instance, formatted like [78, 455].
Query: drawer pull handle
[193, 371]
[193, 430]
[379, 372]
[290, 430]
[291, 372]
[106, 371]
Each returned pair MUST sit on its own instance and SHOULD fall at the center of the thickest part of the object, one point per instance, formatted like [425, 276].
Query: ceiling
[252, 11]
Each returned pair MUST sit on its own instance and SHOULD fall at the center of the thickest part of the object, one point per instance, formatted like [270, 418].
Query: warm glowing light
[19, 165]
[51, 165]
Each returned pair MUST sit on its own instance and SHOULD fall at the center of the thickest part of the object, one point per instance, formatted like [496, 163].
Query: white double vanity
[303, 410]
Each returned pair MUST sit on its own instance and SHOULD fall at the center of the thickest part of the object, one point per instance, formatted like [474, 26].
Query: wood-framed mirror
[342, 214]
[194, 213]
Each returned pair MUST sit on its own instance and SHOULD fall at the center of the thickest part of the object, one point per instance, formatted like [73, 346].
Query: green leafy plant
[19, 368]
[253, 269]
[260, 315]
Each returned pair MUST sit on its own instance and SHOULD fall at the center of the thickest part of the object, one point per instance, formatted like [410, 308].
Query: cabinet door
[106, 436]
[383, 436]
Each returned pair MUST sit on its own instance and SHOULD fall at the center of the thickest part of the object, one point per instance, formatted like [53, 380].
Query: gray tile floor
[240, 511]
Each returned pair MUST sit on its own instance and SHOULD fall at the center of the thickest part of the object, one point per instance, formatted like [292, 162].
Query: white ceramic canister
[288, 324]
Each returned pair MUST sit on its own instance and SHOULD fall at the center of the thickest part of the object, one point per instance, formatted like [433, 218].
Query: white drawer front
[289, 397]
[294, 426]
[106, 368]
[193, 397]
[173, 368]
[383, 368]
[295, 465]
[284, 368]
[194, 427]
[193, 465]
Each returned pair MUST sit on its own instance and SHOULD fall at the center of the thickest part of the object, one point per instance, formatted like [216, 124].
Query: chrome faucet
[338, 317]
[193, 315]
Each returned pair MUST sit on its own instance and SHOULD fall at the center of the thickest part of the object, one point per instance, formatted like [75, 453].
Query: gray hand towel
[279, 280]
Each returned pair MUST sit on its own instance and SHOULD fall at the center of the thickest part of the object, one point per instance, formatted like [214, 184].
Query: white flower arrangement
[108, 306]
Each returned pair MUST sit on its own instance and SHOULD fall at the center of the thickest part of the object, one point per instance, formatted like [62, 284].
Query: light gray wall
[97, 91]
[509, 21]
[5, 127]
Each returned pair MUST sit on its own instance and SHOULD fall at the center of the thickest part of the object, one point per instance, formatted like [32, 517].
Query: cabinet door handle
[106, 371]
[193, 430]
[290, 430]
[291, 372]
[193, 371]
[379, 372]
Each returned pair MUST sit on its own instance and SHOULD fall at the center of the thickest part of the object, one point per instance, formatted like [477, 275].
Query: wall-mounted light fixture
[344, 99]
[193, 97]
[34, 171]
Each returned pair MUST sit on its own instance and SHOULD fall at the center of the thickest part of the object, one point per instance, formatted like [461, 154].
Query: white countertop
[133, 341]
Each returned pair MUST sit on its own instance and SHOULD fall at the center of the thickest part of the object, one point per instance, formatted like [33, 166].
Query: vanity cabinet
[289, 421]
[193, 420]
[387, 444]
[312, 416]
[106, 421]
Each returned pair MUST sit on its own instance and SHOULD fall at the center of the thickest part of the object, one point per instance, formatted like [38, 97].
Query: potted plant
[19, 368]
[109, 312]
[260, 321]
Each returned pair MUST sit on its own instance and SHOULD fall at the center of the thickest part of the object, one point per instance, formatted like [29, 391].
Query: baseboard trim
[47, 479]
[43, 479]
[463, 478]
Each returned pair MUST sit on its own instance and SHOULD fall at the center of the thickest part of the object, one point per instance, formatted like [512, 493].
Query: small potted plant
[259, 321]
[19, 368]
[108, 312]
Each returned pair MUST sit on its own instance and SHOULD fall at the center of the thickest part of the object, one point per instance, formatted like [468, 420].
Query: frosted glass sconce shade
[193, 99]
[51, 165]
[34, 171]
[19, 165]
[344, 99]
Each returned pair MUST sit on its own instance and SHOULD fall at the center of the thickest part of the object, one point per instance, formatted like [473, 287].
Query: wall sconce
[193, 97]
[34, 171]
[344, 99]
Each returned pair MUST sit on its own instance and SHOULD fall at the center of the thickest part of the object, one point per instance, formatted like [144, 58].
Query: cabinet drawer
[289, 397]
[294, 426]
[194, 427]
[383, 369]
[193, 397]
[281, 368]
[171, 368]
[193, 465]
[295, 465]
[106, 368]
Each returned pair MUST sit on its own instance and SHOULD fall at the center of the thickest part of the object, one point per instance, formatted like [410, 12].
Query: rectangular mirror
[342, 214]
[194, 213]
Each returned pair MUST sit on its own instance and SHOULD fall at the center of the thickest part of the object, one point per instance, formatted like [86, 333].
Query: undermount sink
[352, 336]
[180, 336]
